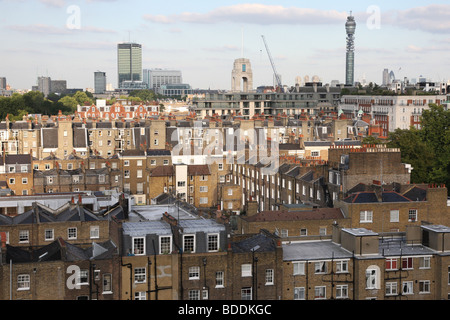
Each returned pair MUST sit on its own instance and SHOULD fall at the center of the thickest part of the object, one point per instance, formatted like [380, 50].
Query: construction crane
[277, 77]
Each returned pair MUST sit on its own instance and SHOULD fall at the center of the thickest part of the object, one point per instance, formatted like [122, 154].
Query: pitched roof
[416, 194]
[362, 197]
[158, 152]
[50, 137]
[162, 171]
[18, 158]
[284, 215]
[198, 170]
[256, 243]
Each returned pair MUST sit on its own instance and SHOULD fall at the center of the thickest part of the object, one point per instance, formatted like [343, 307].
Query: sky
[71, 39]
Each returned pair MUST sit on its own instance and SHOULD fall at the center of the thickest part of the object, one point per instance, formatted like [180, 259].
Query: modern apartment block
[391, 112]
[310, 100]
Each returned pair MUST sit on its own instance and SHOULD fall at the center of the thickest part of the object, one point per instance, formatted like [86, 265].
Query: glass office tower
[129, 62]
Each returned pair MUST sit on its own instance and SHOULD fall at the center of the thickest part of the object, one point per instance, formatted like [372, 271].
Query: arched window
[373, 277]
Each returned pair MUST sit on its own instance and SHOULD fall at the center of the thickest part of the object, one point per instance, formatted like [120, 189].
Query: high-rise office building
[3, 83]
[44, 85]
[99, 82]
[58, 86]
[385, 77]
[155, 78]
[350, 27]
[129, 62]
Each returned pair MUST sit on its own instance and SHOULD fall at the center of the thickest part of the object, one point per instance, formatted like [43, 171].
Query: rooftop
[314, 250]
[284, 215]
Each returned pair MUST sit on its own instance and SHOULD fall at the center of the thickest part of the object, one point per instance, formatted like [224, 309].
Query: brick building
[385, 209]
[72, 222]
[359, 264]
[61, 271]
[17, 171]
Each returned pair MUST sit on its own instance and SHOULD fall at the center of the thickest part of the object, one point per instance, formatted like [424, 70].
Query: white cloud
[433, 18]
[53, 3]
[255, 14]
[53, 30]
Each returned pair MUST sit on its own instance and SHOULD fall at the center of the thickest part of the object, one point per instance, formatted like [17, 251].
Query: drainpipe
[129, 266]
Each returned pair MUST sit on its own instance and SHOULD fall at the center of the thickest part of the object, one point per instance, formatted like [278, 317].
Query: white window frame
[411, 213]
[394, 216]
[162, 243]
[269, 277]
[424, 286]
[212, 242]
[24, 236]
[320, 292]
[372, 278]
[94, 232]
[391, 288]
[408, 287]
[246, 270]
[185, 237]
[194, 273]
[49, 234]
[342, 266]
[23, 282]
[140, 275]
[321, 267]
[299, 293]
[366, 216]
[136, 247]
[298, 268]
[220, 277]
[72, 233]
[341, 291]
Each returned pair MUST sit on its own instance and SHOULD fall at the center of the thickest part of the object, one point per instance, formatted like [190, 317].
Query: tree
[415, 152]
[34, 101]
[69, 102]
[144, 95]
[371, 140]
[82, 98]
[436, 133]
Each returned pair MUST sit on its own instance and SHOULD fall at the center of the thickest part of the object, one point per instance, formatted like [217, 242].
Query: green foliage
[371, 140]
[415, 152]
[427, 149]
[436, 132]
[82, 98]
[144, 95]
[69, 102]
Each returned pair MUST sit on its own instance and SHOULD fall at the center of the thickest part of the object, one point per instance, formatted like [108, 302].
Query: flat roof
[143, 228]
[360, 232]
[200, 225]
[314, 250]
[155, 212]
[437, 228]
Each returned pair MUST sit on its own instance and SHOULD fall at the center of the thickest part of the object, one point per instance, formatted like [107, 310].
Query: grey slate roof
[256, 243]
[50, 137]
[200, 225]
[143, 228]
